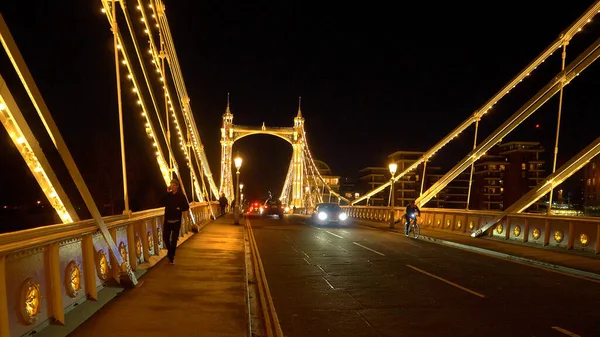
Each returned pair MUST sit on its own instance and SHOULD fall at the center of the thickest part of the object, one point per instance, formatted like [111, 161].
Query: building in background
[369, 179]
[331, 180]
[410, 186]
[455, 195]
[505, 174]
[591, 187]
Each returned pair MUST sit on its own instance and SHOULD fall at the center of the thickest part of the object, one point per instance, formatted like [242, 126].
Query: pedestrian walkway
[568, 261]
[202, 294]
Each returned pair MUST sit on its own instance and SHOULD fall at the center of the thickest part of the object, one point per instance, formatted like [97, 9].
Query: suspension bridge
[147, 66]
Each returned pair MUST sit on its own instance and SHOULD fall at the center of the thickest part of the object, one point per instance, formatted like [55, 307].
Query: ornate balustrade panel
[570, 233]
[47, 271]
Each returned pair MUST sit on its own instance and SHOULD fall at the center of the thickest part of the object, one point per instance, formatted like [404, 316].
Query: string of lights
[312, 163]
[162, 24]
[575, 68]
[565, 37]
[158, 60]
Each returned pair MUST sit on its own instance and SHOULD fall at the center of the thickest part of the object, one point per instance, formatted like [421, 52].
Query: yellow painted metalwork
[4, 327]
[567, 35]
[38, 102]
[55, 286]
[26, 143]
[89, 267]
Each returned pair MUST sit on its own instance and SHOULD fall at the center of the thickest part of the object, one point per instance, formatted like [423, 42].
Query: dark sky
[373, 79]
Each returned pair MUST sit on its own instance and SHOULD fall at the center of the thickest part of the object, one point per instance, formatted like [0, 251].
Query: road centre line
[331, 285]
[367, 248]
[565, 331]
[328, 232]
[449, 282]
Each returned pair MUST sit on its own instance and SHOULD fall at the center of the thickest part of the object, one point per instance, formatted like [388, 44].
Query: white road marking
[305, 260]
[308, 257]
[328, 232]
[331, 285]
[565, 331]
[323, 270]
[367, 248]
[449, 282]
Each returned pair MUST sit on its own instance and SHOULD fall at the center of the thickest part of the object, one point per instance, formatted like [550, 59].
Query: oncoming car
[329, 213]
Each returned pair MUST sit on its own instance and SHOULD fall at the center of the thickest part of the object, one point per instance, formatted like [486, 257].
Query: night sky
[373, 80]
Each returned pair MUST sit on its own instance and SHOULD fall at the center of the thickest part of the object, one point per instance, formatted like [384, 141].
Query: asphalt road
[357, 281]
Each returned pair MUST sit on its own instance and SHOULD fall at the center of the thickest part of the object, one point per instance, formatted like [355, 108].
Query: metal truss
[546, 186]
[590, 55]
[479, 113]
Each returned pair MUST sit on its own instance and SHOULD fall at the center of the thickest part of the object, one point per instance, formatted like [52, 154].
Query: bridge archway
[294, 135]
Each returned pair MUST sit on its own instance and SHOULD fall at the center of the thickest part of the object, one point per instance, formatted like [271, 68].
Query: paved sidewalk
[568, 261]
[203, 294]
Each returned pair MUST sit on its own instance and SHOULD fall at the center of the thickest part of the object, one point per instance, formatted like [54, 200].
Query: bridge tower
[298, 160]
[227, 140]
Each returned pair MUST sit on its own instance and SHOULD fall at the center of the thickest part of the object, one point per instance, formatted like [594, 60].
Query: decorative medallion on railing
[448, 223]
[517, 230]
[500, 228]
[536, 233]
[102, 265]
[73, 278]
[159, 237]
[558, 236]
[430, 221]
[31, 301]
[459, 224]
[471, 225]
[583, 238]
[123, 251]
[439, 222]
[150, 242]
[138, 247]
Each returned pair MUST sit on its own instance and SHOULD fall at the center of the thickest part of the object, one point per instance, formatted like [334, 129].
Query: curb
[493, 253]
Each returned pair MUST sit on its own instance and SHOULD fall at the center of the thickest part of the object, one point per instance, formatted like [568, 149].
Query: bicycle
[413, 227]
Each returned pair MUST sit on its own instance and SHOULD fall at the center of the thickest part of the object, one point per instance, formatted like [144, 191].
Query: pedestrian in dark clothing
[223, 203]
[175, 204]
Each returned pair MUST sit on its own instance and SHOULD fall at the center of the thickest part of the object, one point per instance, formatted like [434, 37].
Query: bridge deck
[572, 261]
[203, 294]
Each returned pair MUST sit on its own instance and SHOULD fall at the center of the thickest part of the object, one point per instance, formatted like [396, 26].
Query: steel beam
[552, 181]
[584, 19]
[18, 62]
[575, 68]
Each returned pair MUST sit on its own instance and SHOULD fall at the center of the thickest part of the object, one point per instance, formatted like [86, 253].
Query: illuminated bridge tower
[227, 140]
[298, 145]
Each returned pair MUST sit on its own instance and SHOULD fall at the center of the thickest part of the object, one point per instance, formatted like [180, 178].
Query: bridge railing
[569, 233]
[47, 271]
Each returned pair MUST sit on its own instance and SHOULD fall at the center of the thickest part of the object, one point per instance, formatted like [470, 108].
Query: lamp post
[393, 168]
[236, 210]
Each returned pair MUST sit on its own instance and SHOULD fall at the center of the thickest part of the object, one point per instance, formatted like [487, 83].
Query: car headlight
[322, 215]
[343, 216]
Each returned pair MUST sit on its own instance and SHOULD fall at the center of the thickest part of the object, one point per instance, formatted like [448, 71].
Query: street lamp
[236, 211]
[393, 168]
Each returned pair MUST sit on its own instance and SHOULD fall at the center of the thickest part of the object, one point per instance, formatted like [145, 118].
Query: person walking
[223, 203]
[175, 204]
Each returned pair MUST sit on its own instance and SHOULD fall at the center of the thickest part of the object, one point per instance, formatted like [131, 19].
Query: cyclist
[411, 208]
